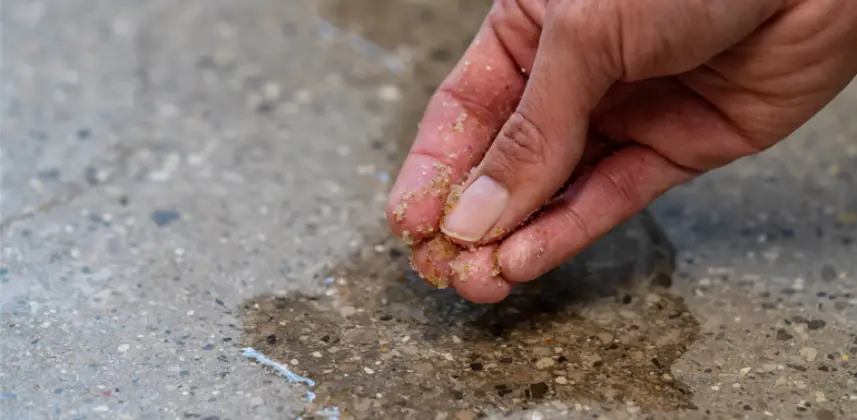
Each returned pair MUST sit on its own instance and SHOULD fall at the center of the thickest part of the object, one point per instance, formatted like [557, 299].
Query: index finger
[460, 122]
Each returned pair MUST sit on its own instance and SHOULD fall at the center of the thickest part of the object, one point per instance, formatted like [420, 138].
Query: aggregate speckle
[438, 353]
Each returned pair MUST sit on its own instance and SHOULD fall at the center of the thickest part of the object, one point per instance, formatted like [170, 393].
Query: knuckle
[570, 15]
[624, 187]
[522, 142]
[576, 222]
[597, 27]
[470, 102]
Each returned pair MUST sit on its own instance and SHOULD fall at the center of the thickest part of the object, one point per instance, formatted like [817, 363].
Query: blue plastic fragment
[290, 376]
[251, 353]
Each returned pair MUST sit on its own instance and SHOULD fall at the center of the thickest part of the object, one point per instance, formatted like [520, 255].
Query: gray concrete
[179, 179]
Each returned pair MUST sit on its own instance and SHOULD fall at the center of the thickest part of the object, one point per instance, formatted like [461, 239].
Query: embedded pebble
[465, 415]
[606, 338]
[809, 353]
[545, 362]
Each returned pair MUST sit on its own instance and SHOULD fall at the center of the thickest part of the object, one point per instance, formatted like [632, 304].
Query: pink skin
[682, 87]
[470, 272]
[486, 91]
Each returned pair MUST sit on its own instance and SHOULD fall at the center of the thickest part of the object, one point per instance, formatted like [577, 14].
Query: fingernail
[477, 210]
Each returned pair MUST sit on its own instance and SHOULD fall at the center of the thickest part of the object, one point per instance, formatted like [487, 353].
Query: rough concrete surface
[181, 180]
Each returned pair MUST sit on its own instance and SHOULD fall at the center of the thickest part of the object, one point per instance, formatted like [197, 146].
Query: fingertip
[416, 201]
[476, 276]
[431, 260]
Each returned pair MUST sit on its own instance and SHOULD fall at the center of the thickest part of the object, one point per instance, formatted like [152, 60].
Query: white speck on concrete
[389, 93]
[271, 91]
[123, 348]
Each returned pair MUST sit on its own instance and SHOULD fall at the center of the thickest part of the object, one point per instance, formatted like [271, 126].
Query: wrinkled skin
[678, 88]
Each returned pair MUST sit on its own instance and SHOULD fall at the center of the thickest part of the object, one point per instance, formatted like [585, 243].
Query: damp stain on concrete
[379, 343]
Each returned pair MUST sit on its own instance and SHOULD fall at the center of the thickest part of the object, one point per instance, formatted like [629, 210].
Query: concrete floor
[181, 180]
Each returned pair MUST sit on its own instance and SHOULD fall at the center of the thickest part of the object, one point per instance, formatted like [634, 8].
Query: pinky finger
[615, 189]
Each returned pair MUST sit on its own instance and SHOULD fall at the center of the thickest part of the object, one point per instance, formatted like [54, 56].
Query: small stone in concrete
[544, 363]
[783, 335]
[465, 415]
[809, 353]
[165, 217]
[815, 324]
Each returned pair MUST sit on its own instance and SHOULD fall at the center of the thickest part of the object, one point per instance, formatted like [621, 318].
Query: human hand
[679, 88]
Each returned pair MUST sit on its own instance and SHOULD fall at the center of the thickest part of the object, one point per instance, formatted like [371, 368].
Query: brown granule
[425, 229]
[498, 233]
[399, 211]
[443, 247]
[454, 194]
[439, 248]
[458, 125]
[462, 271]
[495, 260]
[440, 183]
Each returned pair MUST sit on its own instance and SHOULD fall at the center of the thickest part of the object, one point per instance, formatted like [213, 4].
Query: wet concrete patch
[381, 344]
